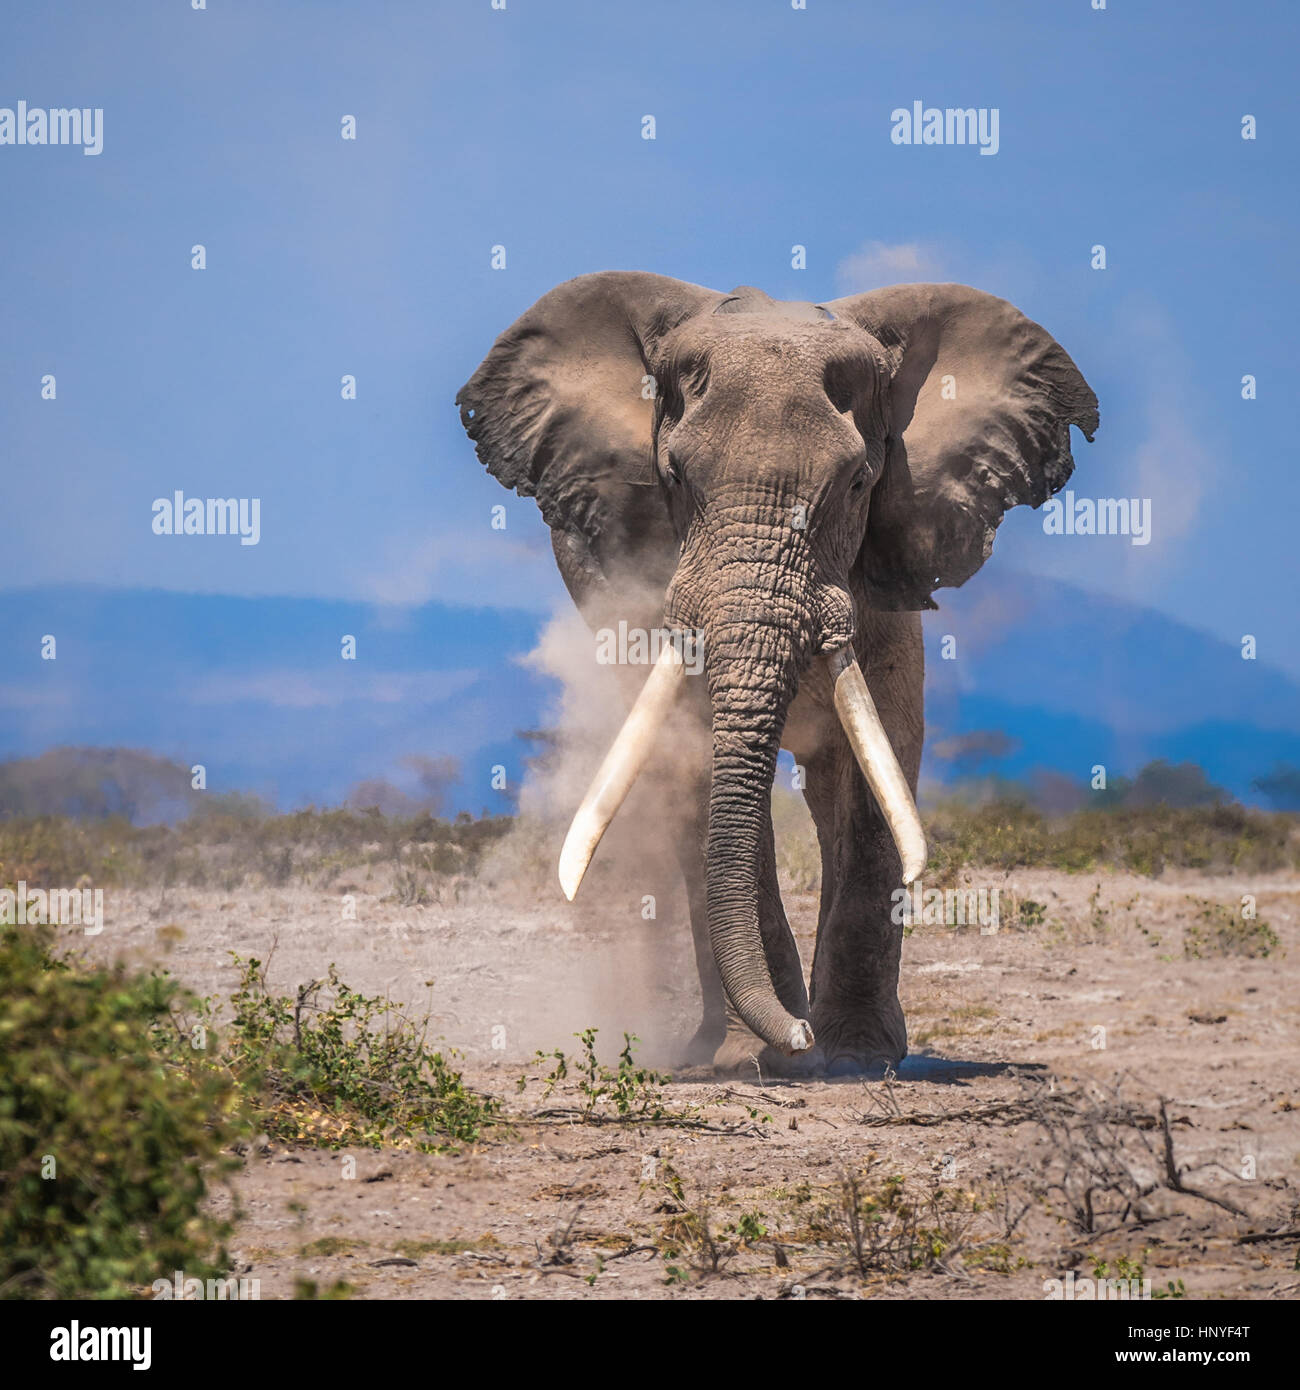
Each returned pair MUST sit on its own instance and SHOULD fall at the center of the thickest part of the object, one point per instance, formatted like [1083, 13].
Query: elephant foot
[738, 1052]
[704, 1043]
[853, 1047]
[743, 1054]
[871, 1068]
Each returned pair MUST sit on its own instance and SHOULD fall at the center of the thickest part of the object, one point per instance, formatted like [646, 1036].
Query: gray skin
[787, 479]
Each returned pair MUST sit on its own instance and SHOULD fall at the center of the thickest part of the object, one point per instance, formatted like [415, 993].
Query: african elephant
[790, 482]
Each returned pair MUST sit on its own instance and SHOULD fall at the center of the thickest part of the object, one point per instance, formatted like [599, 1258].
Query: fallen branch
[587, 1117]
[767, 1098]
[631, 1250]
[1174, 1174]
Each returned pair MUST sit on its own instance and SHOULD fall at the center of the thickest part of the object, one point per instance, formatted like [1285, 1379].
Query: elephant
[782, 486]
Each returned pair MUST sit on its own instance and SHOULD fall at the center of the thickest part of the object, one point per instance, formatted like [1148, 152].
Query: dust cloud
[627, 964]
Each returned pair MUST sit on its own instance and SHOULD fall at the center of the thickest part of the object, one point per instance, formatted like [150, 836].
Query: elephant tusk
[623, 763]
[875, 755]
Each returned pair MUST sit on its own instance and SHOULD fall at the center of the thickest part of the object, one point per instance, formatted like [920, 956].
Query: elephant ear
[980, 405]
[561, 408]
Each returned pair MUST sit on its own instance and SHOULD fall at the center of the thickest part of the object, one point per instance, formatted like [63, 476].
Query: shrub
[103, 1143]
[332, 1066]
[1218, 930]
[888, 1227]
[631, 1090]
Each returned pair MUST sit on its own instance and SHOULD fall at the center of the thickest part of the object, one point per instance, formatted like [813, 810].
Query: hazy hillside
[1074, 680]
[1045, 677]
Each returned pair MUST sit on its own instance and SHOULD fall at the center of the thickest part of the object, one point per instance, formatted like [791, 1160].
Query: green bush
[330, 1066]
[104, 1145]
[1219, 930]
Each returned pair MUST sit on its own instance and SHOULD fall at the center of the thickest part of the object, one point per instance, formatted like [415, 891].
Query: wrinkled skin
[788, 480]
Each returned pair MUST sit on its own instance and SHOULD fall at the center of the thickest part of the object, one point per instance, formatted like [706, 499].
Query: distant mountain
[259, 693]
[1044, 676]
[1072, 679]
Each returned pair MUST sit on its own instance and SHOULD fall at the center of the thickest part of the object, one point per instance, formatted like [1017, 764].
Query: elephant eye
[672, 473]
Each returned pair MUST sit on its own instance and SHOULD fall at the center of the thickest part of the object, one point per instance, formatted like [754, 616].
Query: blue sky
[523, 128]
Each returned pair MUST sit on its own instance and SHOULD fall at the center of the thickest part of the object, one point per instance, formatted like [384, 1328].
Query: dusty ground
[560, 1209]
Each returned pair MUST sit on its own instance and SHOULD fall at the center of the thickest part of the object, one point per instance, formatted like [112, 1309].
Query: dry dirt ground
[1086, 988]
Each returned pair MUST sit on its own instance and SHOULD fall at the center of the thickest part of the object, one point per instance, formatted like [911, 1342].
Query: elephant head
[796, 461]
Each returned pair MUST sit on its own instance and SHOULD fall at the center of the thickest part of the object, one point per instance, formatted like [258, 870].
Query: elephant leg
[856, 1014]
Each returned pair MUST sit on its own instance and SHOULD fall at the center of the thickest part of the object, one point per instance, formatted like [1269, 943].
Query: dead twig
[631, 1250]
[1174, 1174]
[1257, 1237]
[558, 1253]
[572, 1114]
[764, 1100]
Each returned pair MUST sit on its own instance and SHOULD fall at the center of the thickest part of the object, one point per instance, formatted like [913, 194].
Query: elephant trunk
[752, 666]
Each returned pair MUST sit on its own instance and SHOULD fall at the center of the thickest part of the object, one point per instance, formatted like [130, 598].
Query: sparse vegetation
[631, 1091]
[887, 1226]
[310, 1290]
[1030, 913]
[330, 1245]
[1106, 1160]
[231, 841]
[1010, 833]
[1144, 840]
[335, 1067]
[691, 1232]
[1084, 1172]
[1219, 930]
[227, 844]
